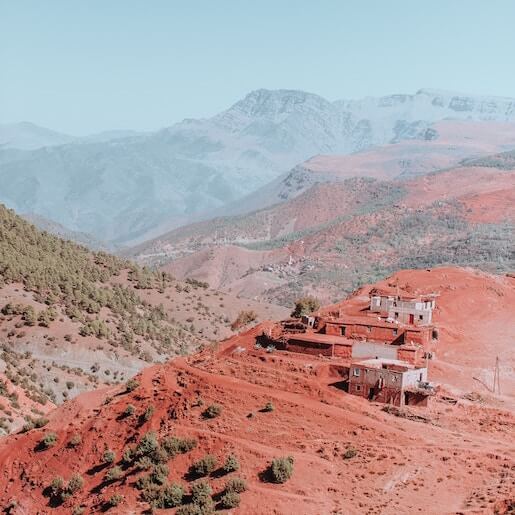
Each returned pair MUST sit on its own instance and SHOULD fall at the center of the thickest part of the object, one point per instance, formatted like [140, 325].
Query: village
[381, 350]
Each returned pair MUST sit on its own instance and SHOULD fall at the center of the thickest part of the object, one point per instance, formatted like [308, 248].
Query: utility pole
[497, 380]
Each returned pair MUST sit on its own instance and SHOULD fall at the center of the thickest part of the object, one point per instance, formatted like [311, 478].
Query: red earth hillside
[349, 455]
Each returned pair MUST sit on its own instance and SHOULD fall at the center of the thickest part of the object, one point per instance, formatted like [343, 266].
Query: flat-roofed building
[390, 381]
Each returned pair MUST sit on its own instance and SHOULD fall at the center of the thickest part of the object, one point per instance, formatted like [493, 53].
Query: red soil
[456, 458]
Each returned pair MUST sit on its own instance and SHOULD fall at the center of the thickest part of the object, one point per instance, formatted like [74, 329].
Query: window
[396, 314]
[395, 331]
[358, 387]
[421, 317]
[342, 330]
[356, 372]
[369, 329]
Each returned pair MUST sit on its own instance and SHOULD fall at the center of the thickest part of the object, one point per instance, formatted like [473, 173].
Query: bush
[230, 500]
[159, 474]
[173, 445]
[212, 411]
[109, 456]
[115, 500]
[244, 318]
[75, 484]
[268, 407]
[350, 453]
[147, 445]
[201, 492]
[305, 306]
[131, 385]
[147, 415]
[171, 496]
[236, 484]
[231, 464]
[204, 466]
[49, 440]
[114, 473]
[75, 440]
[40, 422]
[129, 410]
[281, 469]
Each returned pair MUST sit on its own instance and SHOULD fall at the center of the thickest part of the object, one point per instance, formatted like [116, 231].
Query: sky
[81, 67]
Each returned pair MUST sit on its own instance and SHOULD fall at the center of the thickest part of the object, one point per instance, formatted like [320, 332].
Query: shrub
[114, 473]
[131, 385]
[244, 318]
[128, 456]
[75, 440]
[212, 411]
[144, 463]
[115, 500]
[147, 445]
[109, 456]
[56, 486]
[147, 415]
[231, 464]
[204, 466]
[40, 422]
[236, 484]
[230, 500]
[129, 410]
[49, 440]
[281, 469]
[350, 453]
[305, 306]
[75, 484]
[201, 492]
[173, 445]
[268, 407]
[159, 474]
[171, 496]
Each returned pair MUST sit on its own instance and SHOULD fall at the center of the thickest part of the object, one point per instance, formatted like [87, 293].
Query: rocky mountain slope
[201, 434]
[342, 232]
[126, 189]
[71, 319]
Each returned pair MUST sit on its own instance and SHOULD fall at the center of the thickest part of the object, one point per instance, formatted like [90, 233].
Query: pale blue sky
[85, 66]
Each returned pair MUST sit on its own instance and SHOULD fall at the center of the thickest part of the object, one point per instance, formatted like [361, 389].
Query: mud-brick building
[390, 381]
[318, 344]
[376, 329]
[406, 309]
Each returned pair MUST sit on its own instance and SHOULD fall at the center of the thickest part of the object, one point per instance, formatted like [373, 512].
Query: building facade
[389, 381]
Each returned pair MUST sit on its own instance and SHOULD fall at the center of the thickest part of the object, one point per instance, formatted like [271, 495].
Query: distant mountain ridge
[121, 189]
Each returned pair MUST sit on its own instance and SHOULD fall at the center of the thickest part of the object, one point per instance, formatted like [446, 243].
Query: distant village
[381, 352]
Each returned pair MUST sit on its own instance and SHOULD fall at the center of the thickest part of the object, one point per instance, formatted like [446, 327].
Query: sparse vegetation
[115, 500]
[114, 473]
[350, 453]
[231, 464]
[305, 306]
[109, 456]
[230, 500]
[131, 385]
[236, 484]
[281, 469]
[204, 466]
[49, 440]
[244, 318]
[269, 407]
[212, 411]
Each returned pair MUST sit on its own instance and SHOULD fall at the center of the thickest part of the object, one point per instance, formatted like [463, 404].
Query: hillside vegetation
[71, 318]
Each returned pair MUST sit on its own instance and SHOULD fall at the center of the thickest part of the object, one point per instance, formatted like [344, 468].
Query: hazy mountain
[120, 190]
[28, 136]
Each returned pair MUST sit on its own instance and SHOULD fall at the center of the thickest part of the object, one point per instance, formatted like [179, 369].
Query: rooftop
[384, 362]
[320, 338]
[373, 321]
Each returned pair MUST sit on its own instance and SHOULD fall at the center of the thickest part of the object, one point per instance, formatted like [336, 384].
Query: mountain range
[124, 188]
